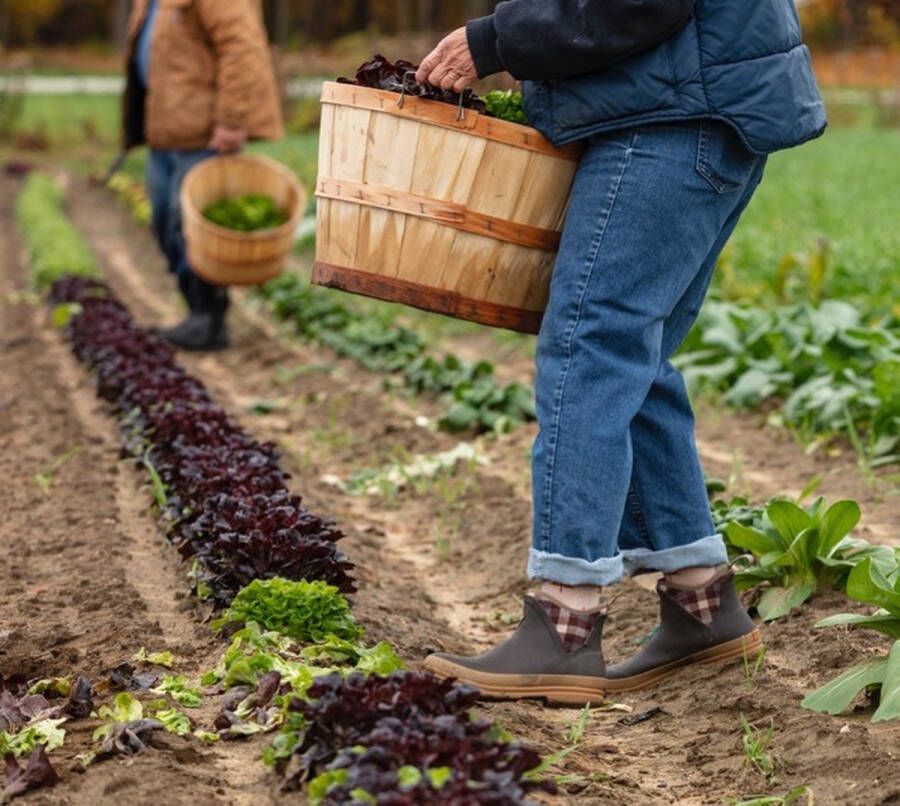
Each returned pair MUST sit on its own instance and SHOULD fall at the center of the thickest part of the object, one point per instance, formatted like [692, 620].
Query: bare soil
[89, 578]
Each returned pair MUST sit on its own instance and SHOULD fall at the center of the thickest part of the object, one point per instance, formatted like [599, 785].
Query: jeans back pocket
[722, 158]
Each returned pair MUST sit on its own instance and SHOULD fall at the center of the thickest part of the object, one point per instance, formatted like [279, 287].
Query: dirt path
[88, 578]
[439, 568]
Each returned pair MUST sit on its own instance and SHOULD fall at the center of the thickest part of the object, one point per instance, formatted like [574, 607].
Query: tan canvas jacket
[209, 65]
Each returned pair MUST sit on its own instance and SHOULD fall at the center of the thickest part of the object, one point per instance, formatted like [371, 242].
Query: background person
[200, 83]
[678, 103]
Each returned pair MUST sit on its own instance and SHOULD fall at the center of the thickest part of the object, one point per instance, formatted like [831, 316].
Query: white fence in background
[114, 85]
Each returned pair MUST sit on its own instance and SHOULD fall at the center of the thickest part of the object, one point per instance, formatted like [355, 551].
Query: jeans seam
[590, 265]
[637, 512]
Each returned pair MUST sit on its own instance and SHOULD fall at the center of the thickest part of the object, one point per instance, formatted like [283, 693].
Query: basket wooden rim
[444, 115]
[287, 228]
[428, 298]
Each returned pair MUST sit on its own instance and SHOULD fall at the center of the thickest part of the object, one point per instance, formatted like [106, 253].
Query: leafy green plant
[833, 371]
[55, 246]
[473, 395]
[799, 551]
[178, 688]
[45, 733]
[247, 213]
[124, 709]
[156, 658]
[506, 105]
[305, 611]
[873, 583]
[174, 721]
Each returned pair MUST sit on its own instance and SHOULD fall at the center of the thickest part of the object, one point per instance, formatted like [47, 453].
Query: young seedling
[790, 799]
[45, 479]
[757, 744]
[752, 667]
[575, 738]
[157, 486]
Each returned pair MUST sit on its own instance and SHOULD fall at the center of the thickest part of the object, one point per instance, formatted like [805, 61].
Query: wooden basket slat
[469, 209]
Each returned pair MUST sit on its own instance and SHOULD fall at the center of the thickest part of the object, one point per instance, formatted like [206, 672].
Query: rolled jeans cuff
[574, 570]
[707, 551]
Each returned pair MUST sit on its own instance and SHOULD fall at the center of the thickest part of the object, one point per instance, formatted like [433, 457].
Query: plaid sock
[573, 626]
[702, 603]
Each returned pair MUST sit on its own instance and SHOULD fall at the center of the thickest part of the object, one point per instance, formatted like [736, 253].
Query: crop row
[832, 371]
[55, 246]
[474, 396]
[296, 662]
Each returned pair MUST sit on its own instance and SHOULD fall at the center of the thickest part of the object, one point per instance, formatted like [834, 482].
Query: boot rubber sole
[580, 690]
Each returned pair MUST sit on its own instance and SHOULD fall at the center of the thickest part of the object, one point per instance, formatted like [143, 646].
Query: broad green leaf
[773, 559]
[889, 707]
[777, 602]
[836, 696]
[840, 519]
[754, 541]
[802, 552]
[867, 583]
[882, 622]
[788, 519]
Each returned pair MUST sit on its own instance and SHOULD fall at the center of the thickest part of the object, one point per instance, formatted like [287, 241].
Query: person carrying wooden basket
[200, 83]
[678, 103]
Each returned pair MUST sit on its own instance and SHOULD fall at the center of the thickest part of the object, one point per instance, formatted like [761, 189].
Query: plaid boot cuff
[572, 626]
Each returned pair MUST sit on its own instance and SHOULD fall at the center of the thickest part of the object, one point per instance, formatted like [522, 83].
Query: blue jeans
[165, 172]
[617, 482]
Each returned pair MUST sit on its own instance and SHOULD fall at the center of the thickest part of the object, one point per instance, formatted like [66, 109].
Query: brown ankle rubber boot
[533, 663]
[696, 625]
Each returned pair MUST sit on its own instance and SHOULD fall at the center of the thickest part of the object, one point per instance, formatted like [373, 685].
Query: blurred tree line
[829, 23]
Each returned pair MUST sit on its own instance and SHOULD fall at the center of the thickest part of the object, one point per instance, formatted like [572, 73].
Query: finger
[462, 84]
[449, 80]
[439, 74]
[428, 64]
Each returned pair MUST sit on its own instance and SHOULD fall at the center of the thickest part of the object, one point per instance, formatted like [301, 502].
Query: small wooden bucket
[226, 257]
[457, 216]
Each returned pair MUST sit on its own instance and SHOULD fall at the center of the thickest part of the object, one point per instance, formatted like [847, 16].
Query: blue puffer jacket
[740, 61]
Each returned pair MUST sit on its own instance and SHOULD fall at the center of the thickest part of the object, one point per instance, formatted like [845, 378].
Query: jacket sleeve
[544, 40]
[239, 42]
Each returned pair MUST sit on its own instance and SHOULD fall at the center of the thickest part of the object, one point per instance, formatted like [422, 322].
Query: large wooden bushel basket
[457, 216]
[226, 257]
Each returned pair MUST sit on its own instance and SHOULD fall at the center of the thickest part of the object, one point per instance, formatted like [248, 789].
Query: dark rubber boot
[533, 663]
[187, 287]
[683, 639]
[204, 329]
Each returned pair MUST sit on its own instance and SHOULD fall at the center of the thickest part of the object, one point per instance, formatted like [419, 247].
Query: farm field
[438, 564]
[390, 423]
